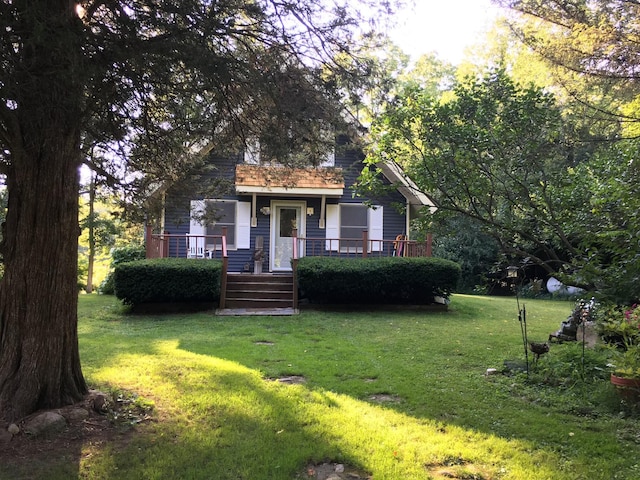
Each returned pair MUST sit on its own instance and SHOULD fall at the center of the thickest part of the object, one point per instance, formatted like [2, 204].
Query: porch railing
[214, 246]
[164, 245]
[361, 247]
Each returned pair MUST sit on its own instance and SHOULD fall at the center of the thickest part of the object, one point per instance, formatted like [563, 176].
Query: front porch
[165, 245]
[251, 290]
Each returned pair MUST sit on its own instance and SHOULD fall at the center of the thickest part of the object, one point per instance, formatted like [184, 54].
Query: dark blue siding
[177, 210]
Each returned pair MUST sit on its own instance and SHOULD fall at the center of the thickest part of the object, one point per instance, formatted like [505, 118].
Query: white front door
[286, 216]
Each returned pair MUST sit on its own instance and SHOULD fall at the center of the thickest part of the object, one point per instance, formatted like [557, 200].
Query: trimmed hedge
[164, 280]
[376, 280]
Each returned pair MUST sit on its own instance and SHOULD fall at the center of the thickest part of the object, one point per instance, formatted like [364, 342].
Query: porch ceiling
[269, 180]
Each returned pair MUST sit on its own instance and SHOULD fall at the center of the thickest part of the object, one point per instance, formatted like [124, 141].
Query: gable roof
[407, 187]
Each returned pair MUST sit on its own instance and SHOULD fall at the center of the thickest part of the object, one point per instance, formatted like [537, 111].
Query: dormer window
[252, 156]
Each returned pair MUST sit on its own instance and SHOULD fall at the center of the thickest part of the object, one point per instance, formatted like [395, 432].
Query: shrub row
[389, 280]
[168, 280]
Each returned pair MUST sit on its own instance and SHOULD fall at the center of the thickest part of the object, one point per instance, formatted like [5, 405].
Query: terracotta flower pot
[629, 388]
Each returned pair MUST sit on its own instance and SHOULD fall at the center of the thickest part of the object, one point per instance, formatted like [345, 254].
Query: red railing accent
[362, 247]
[225, 267]
[294, 267]
[215, 246]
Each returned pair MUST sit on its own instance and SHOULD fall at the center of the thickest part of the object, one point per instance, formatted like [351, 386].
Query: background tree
[496, 153]
[100, 225]
[592, 43]
[592, 49]
[175, 76]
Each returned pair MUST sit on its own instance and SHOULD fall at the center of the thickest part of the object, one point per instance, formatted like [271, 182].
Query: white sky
[446, 27]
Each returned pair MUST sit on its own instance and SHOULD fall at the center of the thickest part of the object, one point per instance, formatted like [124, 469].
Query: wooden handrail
[225, 267]
[177, 245]
[294, 267]
[349, 247]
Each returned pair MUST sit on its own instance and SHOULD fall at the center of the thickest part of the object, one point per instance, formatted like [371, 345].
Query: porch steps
[259, 291]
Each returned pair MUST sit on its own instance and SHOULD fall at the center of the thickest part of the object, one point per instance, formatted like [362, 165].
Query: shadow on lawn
[219, 419]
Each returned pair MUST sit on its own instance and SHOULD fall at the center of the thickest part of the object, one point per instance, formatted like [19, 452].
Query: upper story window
[252, 156]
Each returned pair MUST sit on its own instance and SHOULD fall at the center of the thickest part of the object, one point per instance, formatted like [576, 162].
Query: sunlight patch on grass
[220, 416]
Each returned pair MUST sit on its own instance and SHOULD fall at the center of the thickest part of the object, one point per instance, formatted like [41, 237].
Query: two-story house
[276, 213]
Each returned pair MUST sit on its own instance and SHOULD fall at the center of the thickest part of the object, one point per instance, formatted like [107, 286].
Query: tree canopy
[595, 42]
[502, 155]
[495, 153]
[149, 85]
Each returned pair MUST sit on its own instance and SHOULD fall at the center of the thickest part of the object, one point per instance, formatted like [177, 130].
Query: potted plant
[618, 325]
[258, 258]
[624, 333]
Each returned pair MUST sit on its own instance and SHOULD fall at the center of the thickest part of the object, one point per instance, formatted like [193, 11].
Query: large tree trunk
[39, 358]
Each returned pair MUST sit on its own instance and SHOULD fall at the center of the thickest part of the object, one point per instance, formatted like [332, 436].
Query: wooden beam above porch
[270, 180]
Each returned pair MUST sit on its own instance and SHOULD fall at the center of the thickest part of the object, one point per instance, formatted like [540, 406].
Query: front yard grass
[399, 395]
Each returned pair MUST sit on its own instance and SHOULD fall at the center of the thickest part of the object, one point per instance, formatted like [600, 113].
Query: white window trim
[242, 223]
[375, 227]
[252, 152]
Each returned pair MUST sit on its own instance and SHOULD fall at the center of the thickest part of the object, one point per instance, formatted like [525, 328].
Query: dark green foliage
[127, 254]
[568, 365]
[376, 280]
[463, 241]
[494, 154]
[121, 255]
[167, 280]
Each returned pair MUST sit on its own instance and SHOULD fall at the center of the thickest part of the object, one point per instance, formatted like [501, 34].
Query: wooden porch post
[429, 240]
[365, 242]
[165, 245]
[223, 274]
[294, 267]
[148, 231]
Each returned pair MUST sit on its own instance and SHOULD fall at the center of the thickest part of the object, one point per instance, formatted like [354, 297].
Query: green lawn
[218, 416]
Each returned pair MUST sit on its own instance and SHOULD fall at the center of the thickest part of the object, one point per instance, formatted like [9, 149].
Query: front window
[222, 214]
[255, 154]
[353, 220]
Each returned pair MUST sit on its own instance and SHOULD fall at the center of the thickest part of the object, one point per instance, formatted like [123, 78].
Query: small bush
[127, 254]
[121, 255]
[168, 280]
[376, 280]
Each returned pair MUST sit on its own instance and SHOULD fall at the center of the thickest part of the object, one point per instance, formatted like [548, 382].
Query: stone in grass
[75, 414]
[293, 380]
[45, 424]
[385, 398]
[333, 471]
